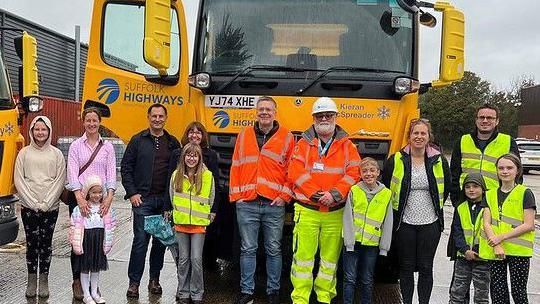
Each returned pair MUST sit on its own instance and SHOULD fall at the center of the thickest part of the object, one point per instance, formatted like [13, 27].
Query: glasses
[194, 133]
[488, 118]
[328, 115]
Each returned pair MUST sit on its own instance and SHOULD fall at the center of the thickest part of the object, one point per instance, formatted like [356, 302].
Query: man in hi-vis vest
[324, 167]
[478, 151]
[258, 184]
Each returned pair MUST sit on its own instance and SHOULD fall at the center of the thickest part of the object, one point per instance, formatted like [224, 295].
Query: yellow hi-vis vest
[399, 172]
[369, 216]
[474, 161]
[506, 218]
[191, 208]
[470, 230]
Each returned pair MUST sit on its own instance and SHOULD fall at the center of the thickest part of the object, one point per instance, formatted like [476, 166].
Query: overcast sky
[502, 37]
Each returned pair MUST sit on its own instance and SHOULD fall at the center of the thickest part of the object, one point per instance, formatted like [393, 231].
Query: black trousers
[39, 229]
[519, 276]
[417, 245]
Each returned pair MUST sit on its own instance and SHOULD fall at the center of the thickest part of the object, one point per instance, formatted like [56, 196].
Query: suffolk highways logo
[108, 90]
[221, 119]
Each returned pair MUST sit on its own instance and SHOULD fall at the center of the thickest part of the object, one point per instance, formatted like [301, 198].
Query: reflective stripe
[467, 232]
[274, 156]
[349, 180]
[235, 190]
[520, 242]
[354, 163]
[494, 222]
[245, 160]
[484, 173]
[396, 179]
[368, 235]
[300, 196]
[302, 179]
[288, 141]
[367, 220]
[272, 185]
[470, 156]
[303, 263]
[331, 170]
[328, 265]
[192, 212]
[440, 180]
[510, 221]
[490, 175]
[470, 170]
[324, 276]
[193, 198]
[301, 275]
[490, 159]
[241, 141]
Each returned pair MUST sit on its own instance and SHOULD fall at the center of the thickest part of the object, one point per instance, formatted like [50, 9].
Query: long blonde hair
[182, 170]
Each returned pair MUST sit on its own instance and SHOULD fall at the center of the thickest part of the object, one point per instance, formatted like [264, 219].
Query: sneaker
[99, 299]
[244, 298]
[273, 298]
[88, 300]
[133, 291]
[154, 287]
[182, 300]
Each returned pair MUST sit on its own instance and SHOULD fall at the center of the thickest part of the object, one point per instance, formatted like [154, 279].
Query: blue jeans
[364, 257]
[251, 216]
[151, 205]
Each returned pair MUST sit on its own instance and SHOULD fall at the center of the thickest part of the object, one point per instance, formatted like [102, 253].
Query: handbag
[68, 196]
[156, 226]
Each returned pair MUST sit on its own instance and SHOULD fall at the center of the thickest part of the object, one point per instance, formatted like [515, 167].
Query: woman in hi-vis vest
[192, 195]
[419, 178]
[509, 232]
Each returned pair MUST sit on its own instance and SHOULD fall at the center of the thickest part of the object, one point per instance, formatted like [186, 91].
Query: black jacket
[138, 163]
[210, 160]
[455, 164]
[406, 183]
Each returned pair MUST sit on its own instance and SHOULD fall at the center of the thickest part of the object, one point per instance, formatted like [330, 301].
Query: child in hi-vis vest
[509, 225]
[192, 197]
[367, 231]
[466, 233]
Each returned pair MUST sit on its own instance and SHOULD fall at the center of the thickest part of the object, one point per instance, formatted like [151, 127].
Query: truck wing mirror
[452, 45]
[26, 49]
[157, 34]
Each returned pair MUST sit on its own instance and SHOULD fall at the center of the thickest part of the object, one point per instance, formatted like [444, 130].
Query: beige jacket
[40, 173]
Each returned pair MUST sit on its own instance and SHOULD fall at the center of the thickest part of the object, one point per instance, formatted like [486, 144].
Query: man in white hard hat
[324, 166]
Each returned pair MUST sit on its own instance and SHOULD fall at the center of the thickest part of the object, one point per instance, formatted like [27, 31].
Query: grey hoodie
[40, 172]
[348, 225]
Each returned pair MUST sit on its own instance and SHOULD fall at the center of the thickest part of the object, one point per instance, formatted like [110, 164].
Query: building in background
[529, 113]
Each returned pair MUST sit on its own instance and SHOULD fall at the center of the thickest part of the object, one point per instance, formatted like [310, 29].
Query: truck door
[119, 80]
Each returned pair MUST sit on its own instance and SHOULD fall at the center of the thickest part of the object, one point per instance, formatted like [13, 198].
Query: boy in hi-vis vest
[466, 231]
[367, 231]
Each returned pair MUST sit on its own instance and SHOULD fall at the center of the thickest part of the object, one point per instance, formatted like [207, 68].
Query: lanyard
[322, 151]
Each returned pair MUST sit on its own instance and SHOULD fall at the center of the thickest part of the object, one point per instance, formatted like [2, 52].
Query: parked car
[529, 151]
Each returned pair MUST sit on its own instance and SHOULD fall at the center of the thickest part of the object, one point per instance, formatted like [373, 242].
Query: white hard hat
[324, 104]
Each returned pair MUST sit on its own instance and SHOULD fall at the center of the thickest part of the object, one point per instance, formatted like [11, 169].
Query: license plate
[230, 101]
[534, 158]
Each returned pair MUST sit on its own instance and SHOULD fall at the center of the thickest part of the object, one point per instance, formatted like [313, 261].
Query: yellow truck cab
[362, 53]
[11, 140]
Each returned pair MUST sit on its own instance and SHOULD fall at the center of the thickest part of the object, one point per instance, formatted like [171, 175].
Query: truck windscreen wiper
[342, 69]
[280, 68]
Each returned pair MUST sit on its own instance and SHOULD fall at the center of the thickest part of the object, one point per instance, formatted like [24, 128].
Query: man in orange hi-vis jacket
[258, 184]
[324, 166]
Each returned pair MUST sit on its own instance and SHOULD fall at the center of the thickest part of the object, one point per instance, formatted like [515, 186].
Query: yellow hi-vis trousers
[314, 229]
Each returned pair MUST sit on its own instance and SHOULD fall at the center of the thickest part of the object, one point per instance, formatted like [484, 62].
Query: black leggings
[417, 245]
[39, 229]
[519, 275]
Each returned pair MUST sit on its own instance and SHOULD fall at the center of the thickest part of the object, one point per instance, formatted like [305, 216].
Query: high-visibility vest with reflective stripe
[470, 230]
[338, 170]
[399, 173]
[474, 161]
[263, 172]
[191, 208]
[369, 216]
[507, 217]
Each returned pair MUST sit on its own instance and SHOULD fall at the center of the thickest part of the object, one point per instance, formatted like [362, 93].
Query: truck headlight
[35, 104]
[199, 80]
[7, 211]
[404, 85]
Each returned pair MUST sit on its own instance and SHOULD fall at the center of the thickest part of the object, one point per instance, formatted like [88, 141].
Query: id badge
[318, 166]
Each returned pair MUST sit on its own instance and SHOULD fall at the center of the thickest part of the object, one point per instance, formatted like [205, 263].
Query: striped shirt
[104, 165]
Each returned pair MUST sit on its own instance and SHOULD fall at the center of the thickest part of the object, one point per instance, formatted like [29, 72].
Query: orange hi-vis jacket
[336, 172]
[263, 172]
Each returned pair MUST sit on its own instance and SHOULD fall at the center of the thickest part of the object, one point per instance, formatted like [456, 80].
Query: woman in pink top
[103, 165]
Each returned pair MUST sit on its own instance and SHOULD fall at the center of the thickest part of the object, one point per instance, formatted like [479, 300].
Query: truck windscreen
[5, 96]
[371, 34]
